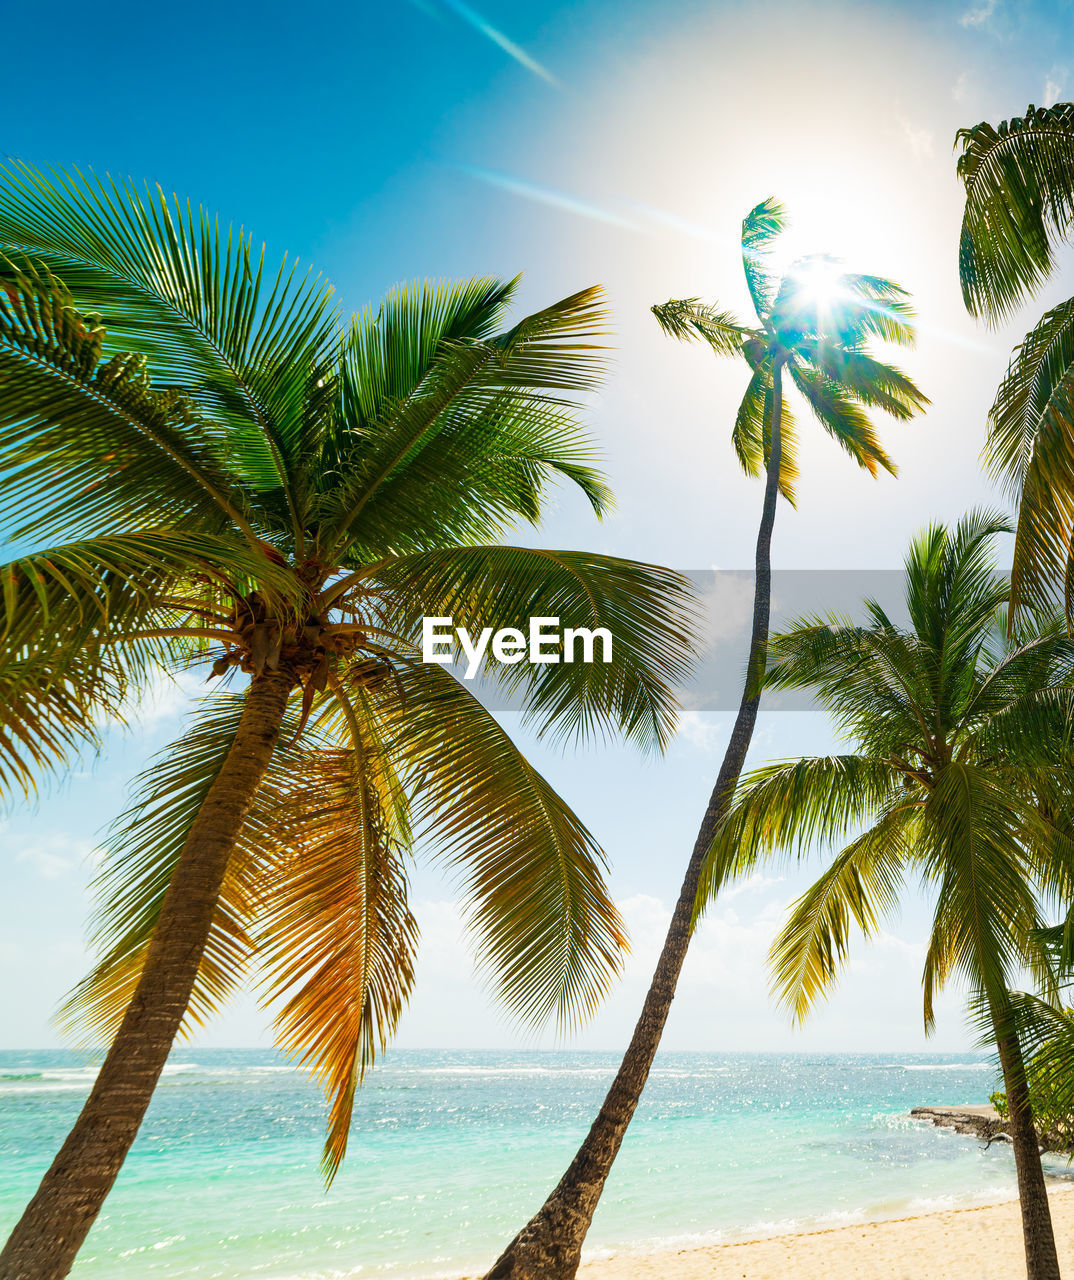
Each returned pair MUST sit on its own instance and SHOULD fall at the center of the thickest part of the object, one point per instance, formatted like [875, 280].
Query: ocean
[451, 1151]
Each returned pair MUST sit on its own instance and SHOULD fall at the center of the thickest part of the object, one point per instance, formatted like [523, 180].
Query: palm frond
[987, 913]
[1019, 182]
[750, 435]
[48, 717]
[88, 443]
[871, 382]
[690, 318]
[548, 935]
[467, 446]
[336, 936]
[86, 625]
[140, 853]
[649, 614]
[1029, 449]
[760, 227]
[861, 885]
[843, 418]
[199, 306]
[872, 307]
[786, 806]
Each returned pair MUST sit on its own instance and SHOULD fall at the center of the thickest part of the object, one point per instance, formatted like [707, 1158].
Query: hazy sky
[612, 141]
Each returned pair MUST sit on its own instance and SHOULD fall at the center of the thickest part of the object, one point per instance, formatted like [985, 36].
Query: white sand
[956, 1244]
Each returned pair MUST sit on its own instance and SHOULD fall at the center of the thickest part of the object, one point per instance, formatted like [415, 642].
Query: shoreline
[968, 1241]
[972, 1242]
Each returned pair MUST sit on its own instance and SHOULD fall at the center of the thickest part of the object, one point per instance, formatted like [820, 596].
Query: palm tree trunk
[1041, 1260]
[56, 1221]
[549, 1247]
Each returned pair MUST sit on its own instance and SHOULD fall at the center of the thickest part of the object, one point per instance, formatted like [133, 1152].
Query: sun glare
[820, 279]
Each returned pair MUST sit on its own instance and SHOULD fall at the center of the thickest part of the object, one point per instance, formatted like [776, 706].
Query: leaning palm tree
[204, 464]
[813, 327]
[961, 734]
[1019, 182]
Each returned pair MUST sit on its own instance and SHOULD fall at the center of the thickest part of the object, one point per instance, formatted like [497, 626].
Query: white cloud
[978, 17]
[703, 730]
[728, 605]
[165, 701]
[750, 884]
[960, 90]
[1055, 84]
[920, 141]
[55, 856]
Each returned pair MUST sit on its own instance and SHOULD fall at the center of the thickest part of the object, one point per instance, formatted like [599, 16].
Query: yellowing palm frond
[336, 935]
[141, 850]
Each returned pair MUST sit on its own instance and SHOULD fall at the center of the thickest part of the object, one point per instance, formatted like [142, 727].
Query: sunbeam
[546, 195]
[472, 18]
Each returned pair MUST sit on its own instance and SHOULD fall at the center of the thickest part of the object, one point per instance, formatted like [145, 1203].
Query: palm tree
[813, 325]
[961, 731]
[204, 463]
[1019, 181]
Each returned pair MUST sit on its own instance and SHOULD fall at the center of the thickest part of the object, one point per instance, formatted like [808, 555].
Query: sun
[819, 279]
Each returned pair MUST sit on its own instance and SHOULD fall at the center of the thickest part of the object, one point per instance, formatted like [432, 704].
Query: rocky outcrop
[980, 1122]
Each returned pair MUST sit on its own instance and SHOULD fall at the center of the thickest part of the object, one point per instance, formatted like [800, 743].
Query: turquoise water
[450, 1153]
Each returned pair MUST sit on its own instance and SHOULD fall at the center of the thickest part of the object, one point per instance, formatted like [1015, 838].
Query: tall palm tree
[961, 737]
[813, 326]
[205, 463]
[1019, 182]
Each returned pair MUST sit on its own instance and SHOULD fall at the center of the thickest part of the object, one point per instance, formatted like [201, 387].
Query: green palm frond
[1045, 1030]
[787, 806]
[465, 447]
[952, 584]
[198, 306]
[760, 227]
[860, 886]
[650, 614]
[1029, 449]
[750, 436]
[987, 907]
[872, 307]
[84, 627]
[842, 417]
[1019, 182]
[690, 318]
[49, 717]
[871, 382]
[88, 442]
[548, 936]
[870, 680]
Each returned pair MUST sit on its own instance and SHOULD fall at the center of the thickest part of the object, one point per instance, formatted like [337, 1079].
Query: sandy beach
[981, 1243]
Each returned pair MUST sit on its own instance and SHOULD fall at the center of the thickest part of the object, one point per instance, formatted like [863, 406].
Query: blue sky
[595, 141]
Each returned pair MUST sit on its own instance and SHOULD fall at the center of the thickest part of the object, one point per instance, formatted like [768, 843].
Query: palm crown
[205, 463]
[819, 335]
[1019, 183]
[962, 730]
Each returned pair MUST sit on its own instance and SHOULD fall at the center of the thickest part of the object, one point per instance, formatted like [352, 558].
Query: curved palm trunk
[1041, 1260]
[56, 1221]
[549, 1247]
